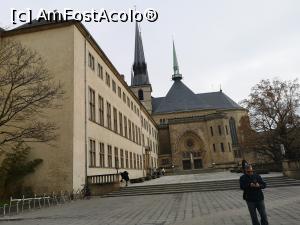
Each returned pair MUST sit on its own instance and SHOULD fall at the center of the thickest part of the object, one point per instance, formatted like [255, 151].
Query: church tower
[140, 84]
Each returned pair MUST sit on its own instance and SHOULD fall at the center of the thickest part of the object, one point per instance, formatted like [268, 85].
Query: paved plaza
[213, 207]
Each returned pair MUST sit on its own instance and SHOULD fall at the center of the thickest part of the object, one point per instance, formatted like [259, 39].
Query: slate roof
[181, 98]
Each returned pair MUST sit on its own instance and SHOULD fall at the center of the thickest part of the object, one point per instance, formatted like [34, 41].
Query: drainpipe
[85, 115]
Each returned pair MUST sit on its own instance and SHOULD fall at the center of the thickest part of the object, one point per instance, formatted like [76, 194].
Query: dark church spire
[176, 75]
[140, 72]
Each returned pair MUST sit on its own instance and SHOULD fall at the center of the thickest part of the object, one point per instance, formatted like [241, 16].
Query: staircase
[219, 185]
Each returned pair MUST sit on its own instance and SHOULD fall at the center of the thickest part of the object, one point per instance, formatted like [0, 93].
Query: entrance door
[186, 164]
[197, 163]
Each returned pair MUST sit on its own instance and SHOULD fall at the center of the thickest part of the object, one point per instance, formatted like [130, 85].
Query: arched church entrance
[190, 151]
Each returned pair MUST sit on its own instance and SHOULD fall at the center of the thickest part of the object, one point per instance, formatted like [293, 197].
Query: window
[139, 135]
[109, 156]
[121, 123]
[131, 105]
[119, 92]
[229, 147]
[116, 157]
[226, 128]
[101, 155]
[137, 161]
[134, 160]
[100, 71]
[108, 108]
[125, 126]
[141, 162]
[115, 120]
[134, 109]
[129, 126]
[222, 147]
[92, 153]
[136, 135]
[133, 133]
[220, 130]
[130, 159]
[114, 88]
[214, 147]
[126, 159]
[124, 97]
[128, 102]
[107, 79]
[211, 131]
[122, 158]
[91, 61]
[233, 131]
[92, 104]
[101, 110]
[141, 94]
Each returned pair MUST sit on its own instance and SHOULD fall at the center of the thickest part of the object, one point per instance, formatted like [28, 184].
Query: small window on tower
[141, 95]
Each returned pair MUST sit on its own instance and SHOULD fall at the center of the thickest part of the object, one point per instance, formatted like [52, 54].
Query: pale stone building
[102, 124]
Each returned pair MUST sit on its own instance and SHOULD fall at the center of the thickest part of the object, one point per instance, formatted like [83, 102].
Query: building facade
[103, 127]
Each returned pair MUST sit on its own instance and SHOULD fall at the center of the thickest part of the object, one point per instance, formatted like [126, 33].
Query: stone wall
[291, 168]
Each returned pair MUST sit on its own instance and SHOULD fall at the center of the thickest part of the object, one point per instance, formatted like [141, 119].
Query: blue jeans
[260, 206]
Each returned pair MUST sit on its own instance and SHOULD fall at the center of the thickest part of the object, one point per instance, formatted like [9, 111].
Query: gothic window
[233, 131]
[141, 94]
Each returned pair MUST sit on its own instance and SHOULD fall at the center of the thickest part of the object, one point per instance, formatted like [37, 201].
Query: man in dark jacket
[252, 184]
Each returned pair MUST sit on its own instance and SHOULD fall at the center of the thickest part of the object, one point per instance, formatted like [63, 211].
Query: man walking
[252, 184]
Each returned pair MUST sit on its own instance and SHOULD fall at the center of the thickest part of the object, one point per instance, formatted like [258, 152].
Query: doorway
[198, 163]
[186, 164]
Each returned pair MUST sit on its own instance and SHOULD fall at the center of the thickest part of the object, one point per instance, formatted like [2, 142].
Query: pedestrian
[126, 177]
[244, 165]
[163, 171]
[252, 185]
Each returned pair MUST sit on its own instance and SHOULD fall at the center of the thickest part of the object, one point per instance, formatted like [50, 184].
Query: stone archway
[189, 151]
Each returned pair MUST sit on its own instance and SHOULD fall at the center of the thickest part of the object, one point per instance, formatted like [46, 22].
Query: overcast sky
[232, 43]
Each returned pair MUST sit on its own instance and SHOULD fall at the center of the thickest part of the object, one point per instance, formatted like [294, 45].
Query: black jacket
[252, 194]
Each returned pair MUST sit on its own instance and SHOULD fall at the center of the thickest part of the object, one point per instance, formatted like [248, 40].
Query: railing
[104, 179]
[19, 205]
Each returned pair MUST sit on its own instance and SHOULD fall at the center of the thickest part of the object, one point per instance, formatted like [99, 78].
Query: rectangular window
[139, 135]
[220, 130]
[136, 135]
[116, 157]
[91, 61]
[121, 123]
[143, 139]
[141, 162]
[222, 147]
[92, 153]
[229, 146]
[101, 155]
[107, 79]
[129, 126]
[131, 105]
[130, 160]
[211, 131]
[122, 158]
[100, 71]
[115, 120]
[119, 92]
[133, 133]
[126, 159]
[101, 110]
[125, 126]
[214, 147]
[134, 160]
[92, 105]
[137, 161]
[109, 156]
[114, 88]
[124, 97]
[128, 102]
[108, 109]
[226, 128]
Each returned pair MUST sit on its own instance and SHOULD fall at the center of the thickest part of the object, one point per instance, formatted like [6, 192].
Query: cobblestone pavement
[201, 177]
[215, 207]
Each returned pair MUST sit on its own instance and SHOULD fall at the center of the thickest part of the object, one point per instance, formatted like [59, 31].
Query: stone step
[197, 187]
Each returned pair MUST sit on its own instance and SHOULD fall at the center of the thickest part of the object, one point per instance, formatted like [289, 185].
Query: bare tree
[26, 90]
[273, 116]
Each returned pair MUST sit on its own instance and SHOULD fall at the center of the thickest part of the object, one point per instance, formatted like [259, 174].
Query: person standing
[244, 165]
[252, 185]
[126, 177]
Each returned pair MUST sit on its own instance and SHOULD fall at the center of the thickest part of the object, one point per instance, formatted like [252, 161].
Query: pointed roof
[180, 98]
[140, 72]
[176, 75]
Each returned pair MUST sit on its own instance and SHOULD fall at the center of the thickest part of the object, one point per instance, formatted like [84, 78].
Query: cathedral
[196, 130]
